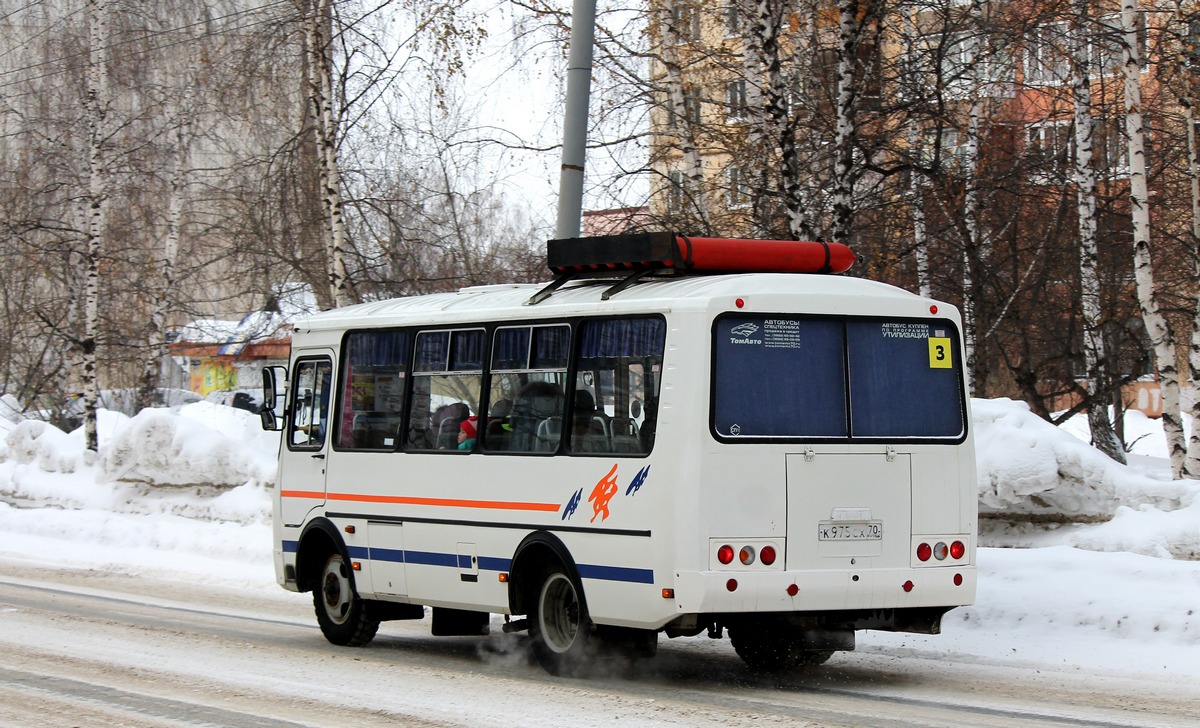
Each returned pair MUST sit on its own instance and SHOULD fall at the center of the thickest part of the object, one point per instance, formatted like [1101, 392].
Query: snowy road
[98, 649]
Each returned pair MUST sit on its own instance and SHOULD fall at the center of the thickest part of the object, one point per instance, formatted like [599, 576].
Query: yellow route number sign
[939, 353]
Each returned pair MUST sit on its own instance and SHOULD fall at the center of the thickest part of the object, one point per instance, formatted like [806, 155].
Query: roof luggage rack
[642, 254]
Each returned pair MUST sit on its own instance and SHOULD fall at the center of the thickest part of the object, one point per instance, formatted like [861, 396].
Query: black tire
[767, 650]
[341, 614]
[559, 623]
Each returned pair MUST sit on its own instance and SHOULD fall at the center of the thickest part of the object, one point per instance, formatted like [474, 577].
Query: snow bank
[53, 450]
[1148, 531]
[202, 461]
[204, 446]
[1028, 467]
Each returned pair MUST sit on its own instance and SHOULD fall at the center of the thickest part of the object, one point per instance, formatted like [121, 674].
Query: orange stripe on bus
[413, 501]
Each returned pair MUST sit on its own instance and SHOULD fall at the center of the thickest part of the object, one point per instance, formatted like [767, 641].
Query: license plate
[850, 531]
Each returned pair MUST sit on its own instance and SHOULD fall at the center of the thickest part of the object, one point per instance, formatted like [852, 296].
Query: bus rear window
[777, 377]
[904, 379]
[838, 379]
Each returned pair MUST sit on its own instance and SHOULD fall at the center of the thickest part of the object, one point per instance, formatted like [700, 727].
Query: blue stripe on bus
[616, 573]
[431, 558]
[491, 563]
[486, 563]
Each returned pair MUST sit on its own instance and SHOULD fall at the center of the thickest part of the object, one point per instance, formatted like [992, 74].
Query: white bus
[643, 447]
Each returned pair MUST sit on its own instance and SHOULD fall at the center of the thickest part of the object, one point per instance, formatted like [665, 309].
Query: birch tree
[1186, 80]
[975, 252]
[163, 283]
[853, 16]
[916, 188]
[1161, 338]
[317, 20]
[683, 112]
[1095, 360]
[95, 203]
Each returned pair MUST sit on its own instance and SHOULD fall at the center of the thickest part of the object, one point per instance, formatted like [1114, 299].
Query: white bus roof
[760, 292]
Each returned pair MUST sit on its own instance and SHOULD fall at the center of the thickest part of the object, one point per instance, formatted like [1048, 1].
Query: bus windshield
[779, 376]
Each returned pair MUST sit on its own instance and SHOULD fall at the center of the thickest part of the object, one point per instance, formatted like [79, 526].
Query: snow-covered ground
[1087, 564]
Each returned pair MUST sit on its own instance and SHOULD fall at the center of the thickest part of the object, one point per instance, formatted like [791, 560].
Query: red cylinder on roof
[765, 256]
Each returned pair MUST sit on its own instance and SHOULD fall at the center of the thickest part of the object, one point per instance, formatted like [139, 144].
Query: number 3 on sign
[939, 353]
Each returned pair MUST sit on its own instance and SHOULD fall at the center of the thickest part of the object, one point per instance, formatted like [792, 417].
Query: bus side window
[447, 378]
[309, 414]
[619, 367]
[372, 401]
[529, 367]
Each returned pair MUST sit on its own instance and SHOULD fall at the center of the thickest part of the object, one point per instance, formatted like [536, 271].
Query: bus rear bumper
[721, 592]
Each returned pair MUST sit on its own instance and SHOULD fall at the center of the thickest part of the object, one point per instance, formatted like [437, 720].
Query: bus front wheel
[341, 614]
[559, 623]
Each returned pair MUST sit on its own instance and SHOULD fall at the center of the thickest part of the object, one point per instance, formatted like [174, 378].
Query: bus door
[306, 434]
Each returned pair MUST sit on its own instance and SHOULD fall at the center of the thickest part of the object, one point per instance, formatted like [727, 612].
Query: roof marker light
[933, 309]
[739, 303]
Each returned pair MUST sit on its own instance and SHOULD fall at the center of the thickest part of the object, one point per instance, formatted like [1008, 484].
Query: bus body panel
[441, 529]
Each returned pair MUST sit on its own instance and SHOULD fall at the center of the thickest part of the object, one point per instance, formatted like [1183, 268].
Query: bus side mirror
[266, 413]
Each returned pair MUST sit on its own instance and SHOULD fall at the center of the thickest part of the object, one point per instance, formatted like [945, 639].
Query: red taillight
[725, 554]
[746, 555]
[924, 552]
[958, 549]
[767, 555]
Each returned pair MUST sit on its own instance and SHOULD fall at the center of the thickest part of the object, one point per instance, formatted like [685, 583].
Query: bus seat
[549, 432]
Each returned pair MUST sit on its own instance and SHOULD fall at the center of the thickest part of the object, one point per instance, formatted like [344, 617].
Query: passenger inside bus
[589, 431]
[536, 403]
[467, 432]
[446, 422]
[499, 428]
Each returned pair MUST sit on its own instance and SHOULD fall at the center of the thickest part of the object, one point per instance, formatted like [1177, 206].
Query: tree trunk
[975, 249]
[96, 200]
[1191, 466]
[916, 188]
[318, 26]
[685, 129]
[849, 35]
[1095, 359]
[148, 391]
[1143, 269]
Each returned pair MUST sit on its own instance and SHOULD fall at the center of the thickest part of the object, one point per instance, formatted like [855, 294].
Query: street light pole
[575, 119]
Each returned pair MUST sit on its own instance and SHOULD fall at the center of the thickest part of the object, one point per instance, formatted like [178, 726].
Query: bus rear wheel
[341, 614]
[559, 623]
